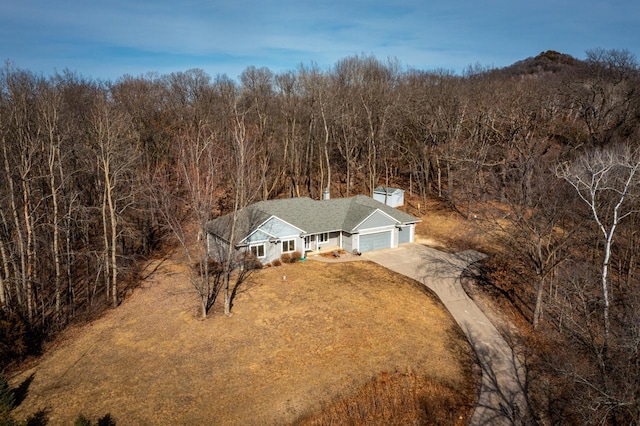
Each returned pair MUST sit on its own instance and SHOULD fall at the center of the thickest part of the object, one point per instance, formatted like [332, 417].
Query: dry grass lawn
[447, 230]
[292, 348]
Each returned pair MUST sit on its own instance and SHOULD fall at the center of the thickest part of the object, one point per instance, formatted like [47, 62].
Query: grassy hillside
[329, 337]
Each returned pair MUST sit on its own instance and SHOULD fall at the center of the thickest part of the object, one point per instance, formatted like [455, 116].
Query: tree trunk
[3, 289]
[449, 182]
[203, 307]
[439, 172]
[426, 168]
[241, 163]
[70, 295]
[228, 262]
[321, 185]
[28, 221]
[326, 148]
[21, 288]
[114, 236]
[105, 232]
[605, 284]
[53, 155]
[537, 311]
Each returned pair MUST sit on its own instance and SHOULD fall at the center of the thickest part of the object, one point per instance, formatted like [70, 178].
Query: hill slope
[291, 348]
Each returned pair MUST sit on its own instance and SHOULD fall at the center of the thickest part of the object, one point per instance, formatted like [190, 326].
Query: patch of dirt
[291, 347]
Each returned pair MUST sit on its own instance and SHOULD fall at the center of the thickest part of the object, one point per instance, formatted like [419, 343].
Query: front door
[308, 243]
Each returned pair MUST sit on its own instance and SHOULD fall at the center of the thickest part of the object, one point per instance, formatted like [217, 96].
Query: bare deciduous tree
[187, 195]
[606, 179]
[111, 136]
[244, 187]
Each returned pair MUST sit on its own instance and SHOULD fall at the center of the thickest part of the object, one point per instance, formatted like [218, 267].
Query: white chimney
[325, 194]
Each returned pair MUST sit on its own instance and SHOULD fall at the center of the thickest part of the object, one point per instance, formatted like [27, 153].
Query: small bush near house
[295, 256]
[251, 262]
[276, 262]
[286, 258]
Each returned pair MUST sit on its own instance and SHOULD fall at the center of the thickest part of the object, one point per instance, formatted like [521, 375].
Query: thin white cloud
[427, 34]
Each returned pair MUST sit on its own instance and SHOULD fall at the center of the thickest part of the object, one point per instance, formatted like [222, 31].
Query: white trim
[308, 241]
[283, 240]
[254, 231]
[284, 221]
[377, 229]
[259, 228]
[264, 250]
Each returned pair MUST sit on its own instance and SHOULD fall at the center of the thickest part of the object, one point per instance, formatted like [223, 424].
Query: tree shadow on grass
[106, 420]
[14, 397]
[20, 393]
[39, 418]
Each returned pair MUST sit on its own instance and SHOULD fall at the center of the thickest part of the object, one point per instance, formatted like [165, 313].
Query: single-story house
[274, 227]
[393, 197]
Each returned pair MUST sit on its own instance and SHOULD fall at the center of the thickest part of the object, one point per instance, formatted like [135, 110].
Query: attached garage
[375, 241]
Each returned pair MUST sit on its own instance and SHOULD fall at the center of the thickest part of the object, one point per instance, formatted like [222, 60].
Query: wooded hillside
[546, 152]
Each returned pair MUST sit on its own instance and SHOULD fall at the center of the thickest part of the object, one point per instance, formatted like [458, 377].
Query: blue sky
[107, 39]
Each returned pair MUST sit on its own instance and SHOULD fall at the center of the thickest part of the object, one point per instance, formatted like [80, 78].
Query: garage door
[404, 235]
[376, 241]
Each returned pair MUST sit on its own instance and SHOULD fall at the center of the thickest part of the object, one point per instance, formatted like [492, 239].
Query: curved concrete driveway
[501, 398]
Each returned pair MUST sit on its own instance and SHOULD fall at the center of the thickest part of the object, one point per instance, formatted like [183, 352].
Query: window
[258, 250]
[323, 238]
[288, 246]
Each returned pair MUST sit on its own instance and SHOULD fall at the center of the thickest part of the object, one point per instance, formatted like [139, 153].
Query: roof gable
[368, 204]
[375, 220]
[247, 221]
[257, 236]
[279, 228]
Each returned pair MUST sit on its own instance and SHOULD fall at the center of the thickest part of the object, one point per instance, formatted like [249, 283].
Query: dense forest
[97, 176]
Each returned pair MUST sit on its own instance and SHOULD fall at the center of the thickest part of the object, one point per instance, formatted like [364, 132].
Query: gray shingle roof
[311, 216]
[388, 189]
